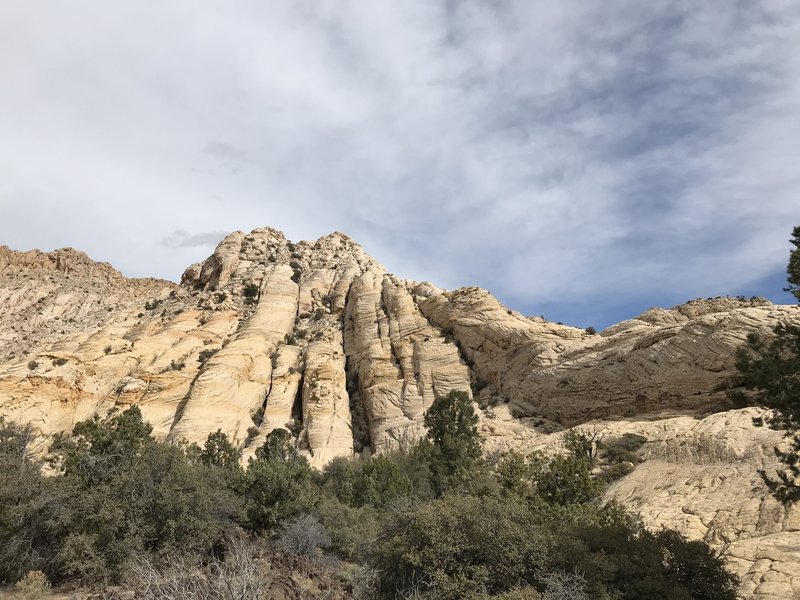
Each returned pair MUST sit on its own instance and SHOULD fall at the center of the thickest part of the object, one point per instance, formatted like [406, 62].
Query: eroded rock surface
[317, 337]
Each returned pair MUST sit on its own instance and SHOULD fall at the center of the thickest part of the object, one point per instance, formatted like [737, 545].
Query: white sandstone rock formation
[318, 338]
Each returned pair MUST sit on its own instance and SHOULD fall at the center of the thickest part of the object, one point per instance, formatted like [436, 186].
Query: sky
[580, 160]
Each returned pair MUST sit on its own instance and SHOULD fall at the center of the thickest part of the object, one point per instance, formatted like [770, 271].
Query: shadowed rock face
[318, 338]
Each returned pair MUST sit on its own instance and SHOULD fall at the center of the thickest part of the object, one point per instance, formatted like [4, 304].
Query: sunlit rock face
[319, 338]
[316, 337]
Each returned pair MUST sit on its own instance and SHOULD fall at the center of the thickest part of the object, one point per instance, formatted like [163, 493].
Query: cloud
[584, 160]
[184, 239]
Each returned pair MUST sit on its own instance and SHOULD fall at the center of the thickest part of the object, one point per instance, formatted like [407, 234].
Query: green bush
[623, 449]
[453, 446]
[567, 480]
[437, 521]
[615, 471]
[218, 451]
[278, 483]
[625, 561]
[353, 531]
[121, 494]
[457, 546]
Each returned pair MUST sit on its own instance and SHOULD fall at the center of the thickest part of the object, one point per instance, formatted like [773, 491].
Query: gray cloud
[184, 239]
[624, 152]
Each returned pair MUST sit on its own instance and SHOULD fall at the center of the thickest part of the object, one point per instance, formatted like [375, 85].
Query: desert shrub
[176, 365]
[34, 586]
[218, 451]
[32, 365]
[205, 355]
[122, 495]
[591, 331]
[338, 478]
[107, 349]
[252, 432]
[624, 448]
[278, 483]
[318, 314]
[352, 531]
[381, 481]
[220, 297]
[695, 566]
[27, 506]
[578, 444]
[520, 593]
[102, 448]
[615, 471]
[236, 574]
[457, 546]
[251, 290]
[519, 412]
[302, 536]
[567, 480]
[258, 416]
[152, 304]
[376, 481]
[565, 586]
[161, 505]
[59, 362]
[513, 474]
[622, 560]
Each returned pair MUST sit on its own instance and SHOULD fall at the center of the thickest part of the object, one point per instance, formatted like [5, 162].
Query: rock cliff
[319, 338]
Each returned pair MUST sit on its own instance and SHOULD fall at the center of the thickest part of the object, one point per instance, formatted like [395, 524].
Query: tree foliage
[437, 522]
[771, 367]
[453, 444]
[218, 451]
[278, 483]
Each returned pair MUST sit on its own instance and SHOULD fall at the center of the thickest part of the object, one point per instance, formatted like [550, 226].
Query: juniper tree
[772, 368]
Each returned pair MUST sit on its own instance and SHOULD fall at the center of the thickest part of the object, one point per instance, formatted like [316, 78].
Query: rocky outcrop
[681, 358]
[318, 338]
[700, 477]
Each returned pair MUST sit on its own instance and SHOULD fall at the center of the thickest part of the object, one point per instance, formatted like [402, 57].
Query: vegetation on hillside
[438, 522]
[771, 367]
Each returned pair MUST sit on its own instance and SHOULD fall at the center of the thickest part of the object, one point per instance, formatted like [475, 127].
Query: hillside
[318, 338]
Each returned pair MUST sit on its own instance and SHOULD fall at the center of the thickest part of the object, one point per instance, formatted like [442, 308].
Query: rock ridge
[318, 338]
